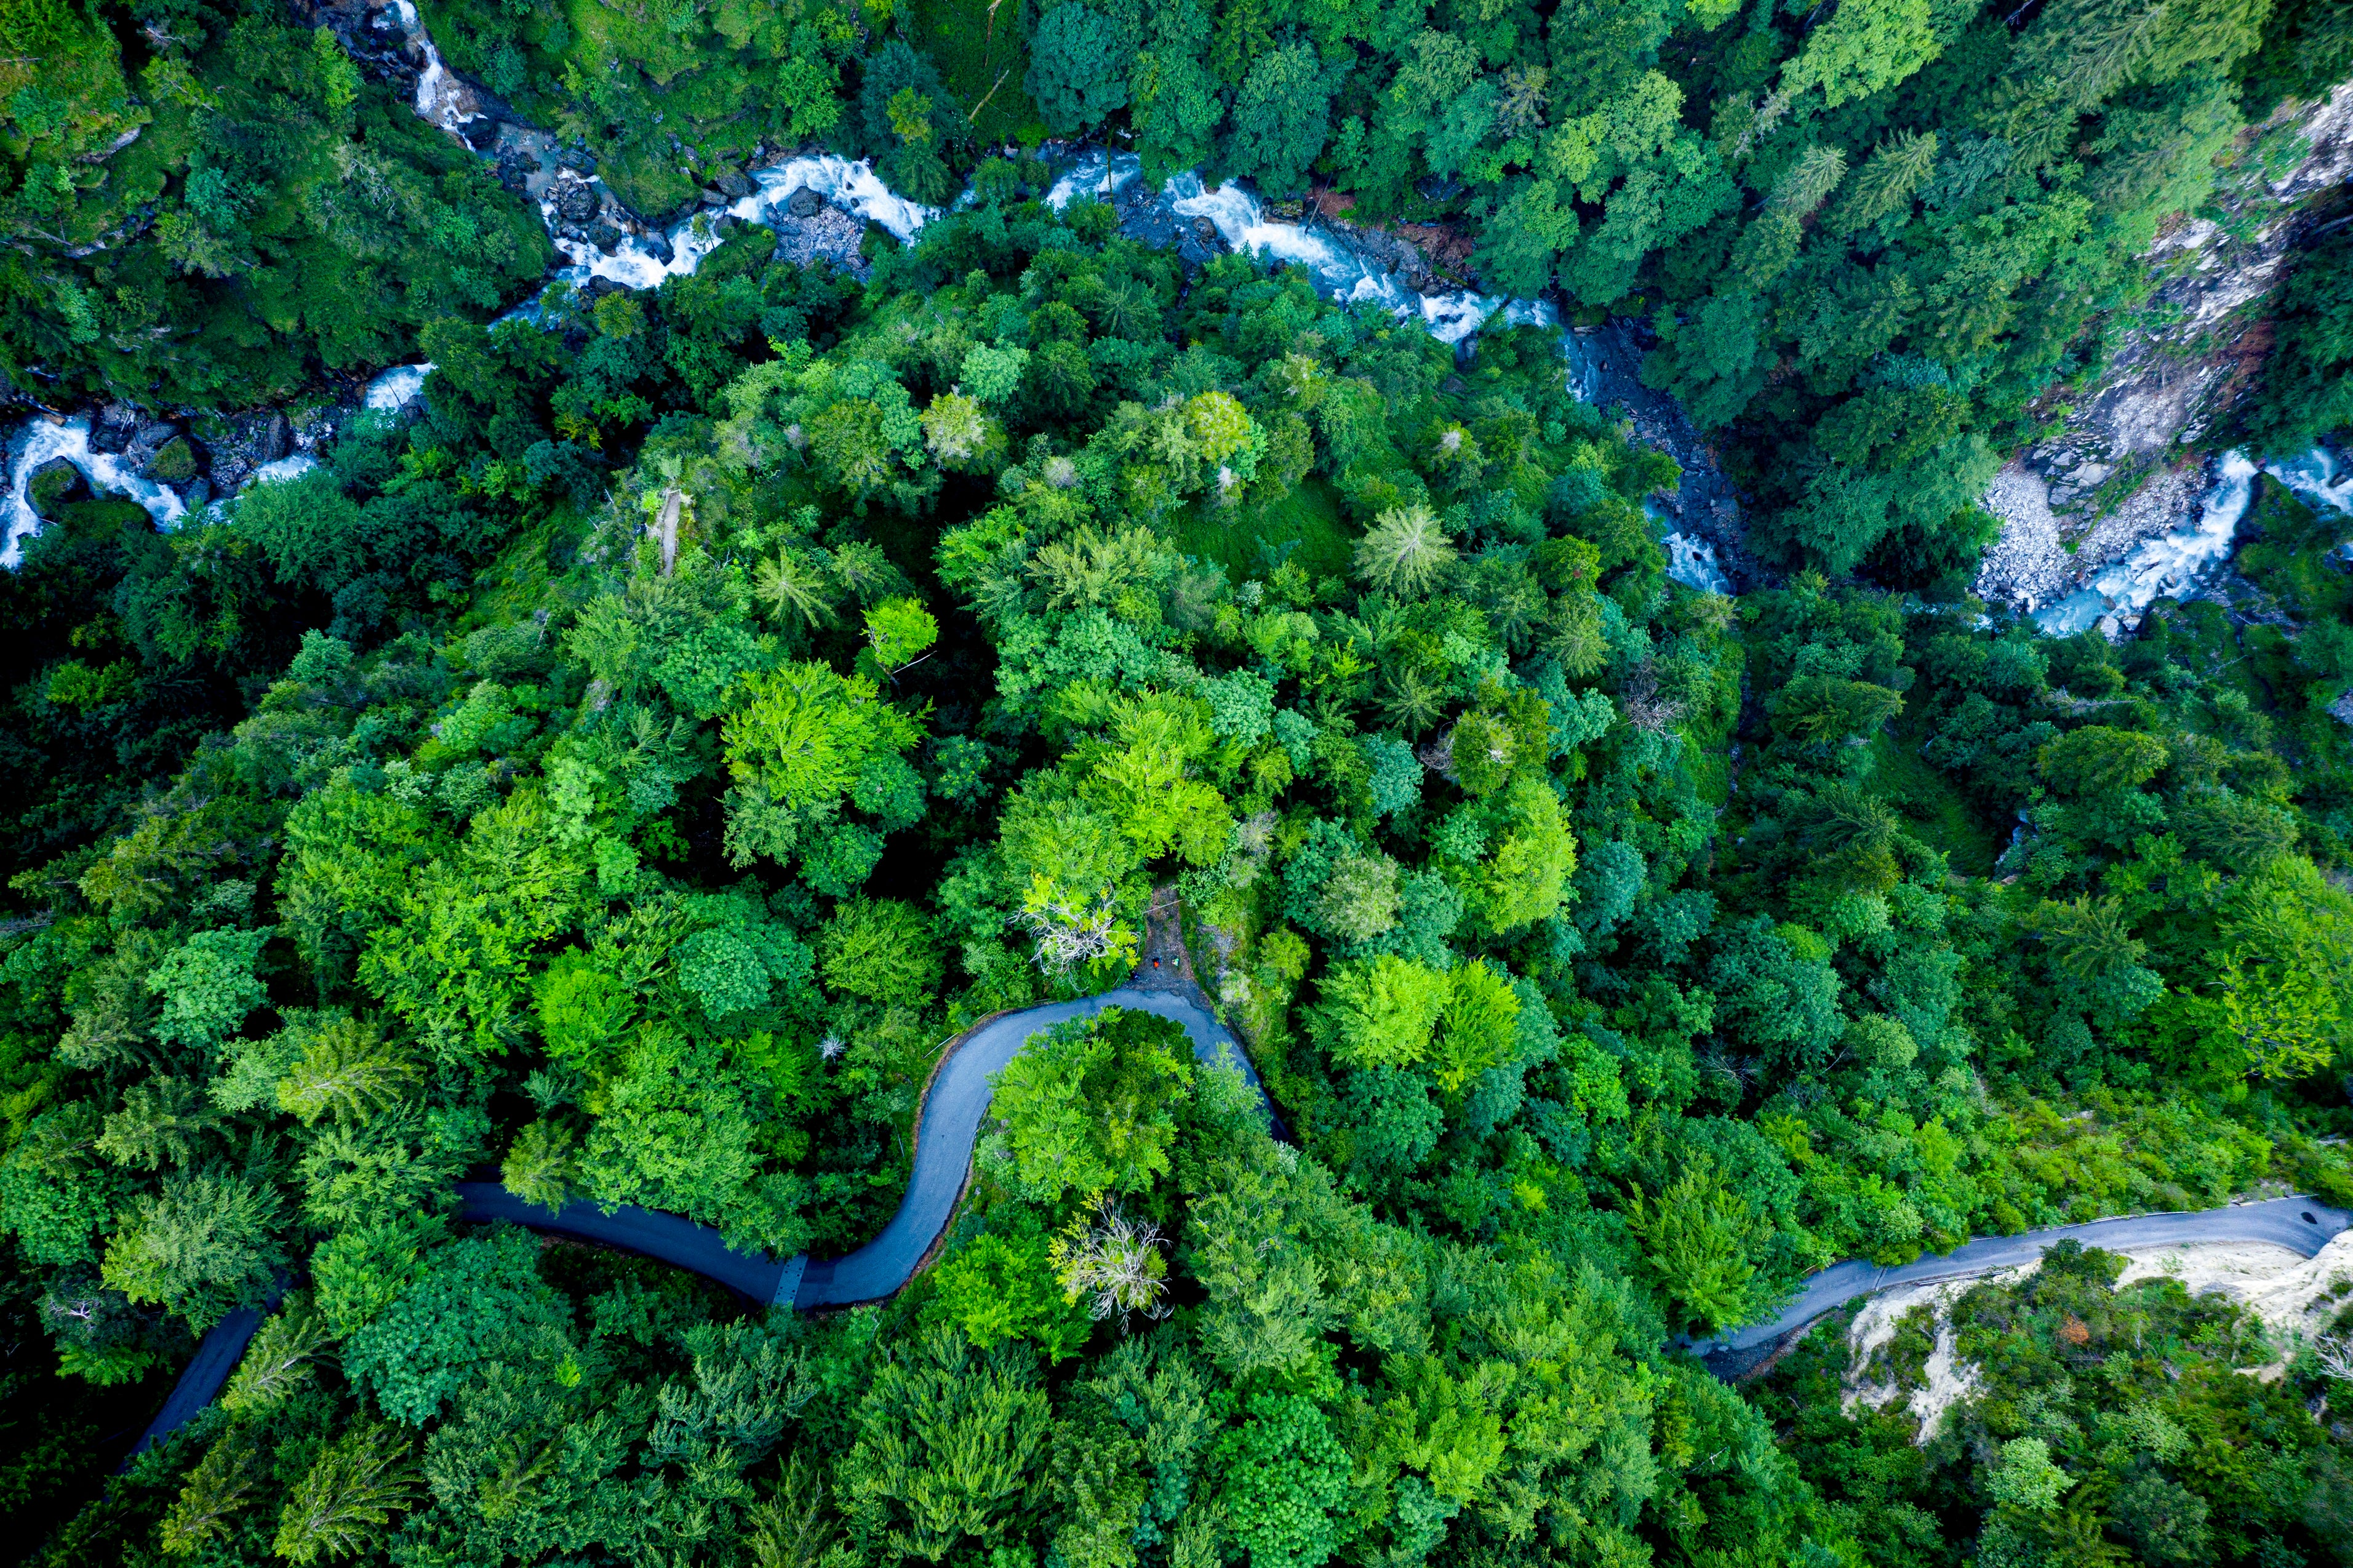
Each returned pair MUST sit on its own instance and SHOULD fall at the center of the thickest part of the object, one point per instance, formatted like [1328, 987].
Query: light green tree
[1089, 1106]
[1403, 551]
[203, 1243]
[350, 1493]
[208, 986]
[1700, 1237]
[948, 1448]
[1381, 1012]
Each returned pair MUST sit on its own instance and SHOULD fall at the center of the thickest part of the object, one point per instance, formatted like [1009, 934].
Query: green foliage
[2100, 1417]
[997, 1289]
[477, 1301]
[1616, 954]
[946, 1445]
[805, 738]
[1077, 68]
[1699, 1235]
[880, 949]
[1286, 1478]
[1089, 1107]
[350, 1492]
[203, 1243]
[209, 987]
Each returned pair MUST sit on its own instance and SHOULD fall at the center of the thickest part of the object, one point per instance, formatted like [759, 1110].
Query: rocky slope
[2125, 463]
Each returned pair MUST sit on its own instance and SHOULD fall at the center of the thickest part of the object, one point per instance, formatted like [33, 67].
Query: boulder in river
[55, 483]
[113, 428]
[177, 461]
[734, 184]
[604, 235]
[803, 202]
[577, 204]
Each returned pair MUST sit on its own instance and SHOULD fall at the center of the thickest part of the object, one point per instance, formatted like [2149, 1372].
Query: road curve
[949, 1126]
[951, 1114]
[2303, 1224]
[952, 1108]
[206, 1373]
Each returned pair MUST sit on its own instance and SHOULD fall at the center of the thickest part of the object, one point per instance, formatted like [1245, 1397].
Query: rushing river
[2170, 565]
[1341, 270]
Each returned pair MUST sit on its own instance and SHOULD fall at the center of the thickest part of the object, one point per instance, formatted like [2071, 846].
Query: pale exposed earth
[2294, 1295]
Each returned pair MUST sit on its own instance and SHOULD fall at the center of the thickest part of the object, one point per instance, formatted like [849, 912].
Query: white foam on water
[1339, 270]
[291, 466]
[1236, 213]
[398, 387]
[2166, 566]
[437, 90]
[1693, 563]
[1583, 368]
[39, 441]
[1095, 175]
[2315, 478]
[853, 186]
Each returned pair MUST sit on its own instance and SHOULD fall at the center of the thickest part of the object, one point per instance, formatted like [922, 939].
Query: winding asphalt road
[954, 1107]
[2303, 1224]
[949, 1126]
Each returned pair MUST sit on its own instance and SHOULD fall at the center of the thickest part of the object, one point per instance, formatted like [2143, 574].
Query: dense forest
[623, 770]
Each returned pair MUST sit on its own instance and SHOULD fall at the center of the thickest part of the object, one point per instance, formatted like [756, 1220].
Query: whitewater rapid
[2172, 564]
[39, 440]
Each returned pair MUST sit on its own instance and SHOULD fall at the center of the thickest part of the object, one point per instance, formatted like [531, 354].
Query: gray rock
[803, 202]
[713, 198]
[156, 432]
[274, 439]
[830, 235]
[604, 235]
[113, 428]
[578, 203]
[735, 185]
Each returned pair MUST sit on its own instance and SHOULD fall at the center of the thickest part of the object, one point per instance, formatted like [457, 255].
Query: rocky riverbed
[2123, 471]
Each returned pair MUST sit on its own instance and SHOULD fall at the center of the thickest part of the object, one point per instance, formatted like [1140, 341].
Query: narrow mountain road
[2303, 1224]
[947, 1130]
[949, 1127]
